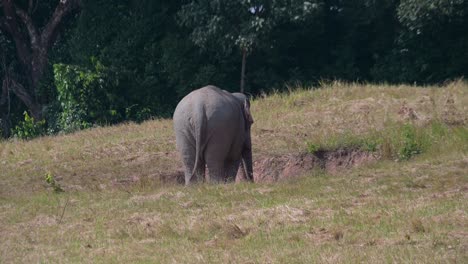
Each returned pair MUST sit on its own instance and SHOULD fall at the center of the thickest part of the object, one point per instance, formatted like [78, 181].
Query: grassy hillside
[121, 202]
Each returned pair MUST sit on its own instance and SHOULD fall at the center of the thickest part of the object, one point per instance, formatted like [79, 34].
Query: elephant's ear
[247, 114]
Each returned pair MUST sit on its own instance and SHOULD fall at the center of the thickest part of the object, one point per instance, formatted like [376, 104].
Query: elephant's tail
[200, 133]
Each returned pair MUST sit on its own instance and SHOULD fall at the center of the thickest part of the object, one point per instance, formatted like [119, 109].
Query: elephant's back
[219, 107]
[212, 95]
[210, 98]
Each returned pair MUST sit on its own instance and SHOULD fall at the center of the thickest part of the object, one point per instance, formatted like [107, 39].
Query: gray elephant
[212, 128]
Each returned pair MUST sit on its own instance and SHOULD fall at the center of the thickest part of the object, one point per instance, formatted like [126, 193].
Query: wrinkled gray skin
[212, 129]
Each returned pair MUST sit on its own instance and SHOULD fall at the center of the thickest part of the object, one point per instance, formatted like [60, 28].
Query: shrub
[86, 96]
[138, 113]
[50, 180]
[29, 128]
[398, 142]
[410, 145]
[312, 148]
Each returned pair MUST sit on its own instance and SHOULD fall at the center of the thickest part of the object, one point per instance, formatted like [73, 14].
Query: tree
[32, 40]
[430, 43]
[128, 38]
[224, 25]
[433, 39]
[358, 33]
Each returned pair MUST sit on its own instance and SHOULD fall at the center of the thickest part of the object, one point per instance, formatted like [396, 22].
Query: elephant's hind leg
[188, 158]
[199, 172]
[189, 164]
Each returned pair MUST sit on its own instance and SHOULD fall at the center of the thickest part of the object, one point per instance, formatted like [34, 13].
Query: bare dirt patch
[280, 167]
[272, 169]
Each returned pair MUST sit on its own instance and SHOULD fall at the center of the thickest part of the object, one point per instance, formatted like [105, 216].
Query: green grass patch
[397, 141]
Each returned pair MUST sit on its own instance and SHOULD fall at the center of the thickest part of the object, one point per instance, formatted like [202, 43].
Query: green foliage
[429, 45]
[439, 130]
[137, 113]
[50, 180]
[370, 145]
[156, 52]
[312, 147]
[227, 24]
[86, 96]
[227, 29]
[398, 142]
[421, 16]
[127, 37]
[370, 142]
[410, 143]
[28, 128]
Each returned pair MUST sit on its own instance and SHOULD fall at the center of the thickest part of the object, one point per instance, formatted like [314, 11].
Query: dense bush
[86, 96]
[29, 128]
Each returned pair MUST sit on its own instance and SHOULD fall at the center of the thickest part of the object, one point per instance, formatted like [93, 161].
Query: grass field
[121, 205]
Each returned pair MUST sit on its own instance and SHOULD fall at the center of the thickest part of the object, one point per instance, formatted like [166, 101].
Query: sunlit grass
[115, 208]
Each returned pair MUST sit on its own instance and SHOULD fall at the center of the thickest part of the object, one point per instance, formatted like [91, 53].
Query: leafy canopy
[222, 25]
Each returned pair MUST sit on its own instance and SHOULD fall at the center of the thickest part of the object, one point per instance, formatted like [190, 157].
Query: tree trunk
[5, 124]
[5, 121]
[31, 103]
[32, 47]
[244, 59]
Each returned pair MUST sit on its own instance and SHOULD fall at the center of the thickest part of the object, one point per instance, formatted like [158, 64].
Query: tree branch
[26, 98]
[32, 30]
[10, 24]
[4, 93]
[3, 25]
[4, 96]
[50, 31]
[30, 6]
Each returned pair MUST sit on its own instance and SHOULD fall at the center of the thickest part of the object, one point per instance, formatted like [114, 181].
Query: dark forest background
[71, 64]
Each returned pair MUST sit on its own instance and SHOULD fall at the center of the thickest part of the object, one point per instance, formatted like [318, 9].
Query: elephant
[212, 129]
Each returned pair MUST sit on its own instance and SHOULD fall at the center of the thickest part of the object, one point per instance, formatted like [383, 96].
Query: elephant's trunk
[247, 167]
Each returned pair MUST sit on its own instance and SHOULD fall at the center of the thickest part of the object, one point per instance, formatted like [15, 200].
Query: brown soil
[272, 169]
[269, 169]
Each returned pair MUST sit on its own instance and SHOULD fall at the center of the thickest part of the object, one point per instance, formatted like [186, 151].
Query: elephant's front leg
[231, 168]
[215, 156]
[215, 171]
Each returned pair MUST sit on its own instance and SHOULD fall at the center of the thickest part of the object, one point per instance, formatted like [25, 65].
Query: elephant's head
[246, 164]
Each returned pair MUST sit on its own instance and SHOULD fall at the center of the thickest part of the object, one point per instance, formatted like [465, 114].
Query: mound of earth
[272, 169]
[275, 168]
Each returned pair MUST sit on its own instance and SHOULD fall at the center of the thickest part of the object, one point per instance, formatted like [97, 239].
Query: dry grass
[117, 208]
[94, 159]
[284, 122]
